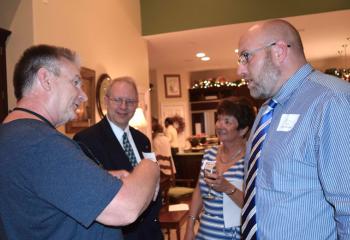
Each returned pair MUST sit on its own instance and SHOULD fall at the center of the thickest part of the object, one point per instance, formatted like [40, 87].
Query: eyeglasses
[245, 56]
[119, 101]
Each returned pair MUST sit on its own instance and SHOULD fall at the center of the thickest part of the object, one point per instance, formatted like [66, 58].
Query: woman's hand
[218, 182]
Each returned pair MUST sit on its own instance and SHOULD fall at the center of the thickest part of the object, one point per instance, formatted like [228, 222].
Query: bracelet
[232, 191]
[193, 218]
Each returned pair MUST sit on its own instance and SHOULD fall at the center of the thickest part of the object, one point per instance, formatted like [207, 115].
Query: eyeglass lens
[244, 57]
[120, 101]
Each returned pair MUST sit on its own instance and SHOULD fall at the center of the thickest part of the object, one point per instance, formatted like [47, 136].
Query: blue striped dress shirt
[303, 181]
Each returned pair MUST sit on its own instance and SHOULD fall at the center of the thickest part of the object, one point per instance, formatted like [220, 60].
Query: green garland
[217, 83]
[340, 73]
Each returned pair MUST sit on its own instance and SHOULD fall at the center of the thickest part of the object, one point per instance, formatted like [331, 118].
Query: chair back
[167, 176]
[166, 166]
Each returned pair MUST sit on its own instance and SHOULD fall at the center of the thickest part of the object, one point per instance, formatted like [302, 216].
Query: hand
[218, 182]
[119, 173]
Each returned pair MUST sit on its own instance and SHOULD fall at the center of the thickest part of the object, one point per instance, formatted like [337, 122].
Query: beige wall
[106, 34]
[21, 37]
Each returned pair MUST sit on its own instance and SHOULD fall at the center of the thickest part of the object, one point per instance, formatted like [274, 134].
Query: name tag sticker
[287, 122]
[150, 155]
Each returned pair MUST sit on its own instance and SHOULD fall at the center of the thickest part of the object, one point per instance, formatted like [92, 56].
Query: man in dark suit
[118, 146]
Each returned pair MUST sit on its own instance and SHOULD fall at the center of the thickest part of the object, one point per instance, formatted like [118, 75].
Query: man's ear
[44, 76]
[279, 52]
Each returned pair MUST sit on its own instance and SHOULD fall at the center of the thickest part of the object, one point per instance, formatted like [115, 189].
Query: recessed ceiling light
[236, 50]
[200, 54]
[205, 59]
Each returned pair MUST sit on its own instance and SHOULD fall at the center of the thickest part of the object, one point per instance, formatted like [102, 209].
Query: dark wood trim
[102, 84]
[3, 74]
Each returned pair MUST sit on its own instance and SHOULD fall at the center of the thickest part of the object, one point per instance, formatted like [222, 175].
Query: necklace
[35, 114]
[236, 154]
[233, 156]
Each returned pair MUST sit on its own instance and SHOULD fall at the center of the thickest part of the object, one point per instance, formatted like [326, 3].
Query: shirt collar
[293, 83]
[118, 132]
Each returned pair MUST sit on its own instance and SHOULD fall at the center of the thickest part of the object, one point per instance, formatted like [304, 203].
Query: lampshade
[138, 120]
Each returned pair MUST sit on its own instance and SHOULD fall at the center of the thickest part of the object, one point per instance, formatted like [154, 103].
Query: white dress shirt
[118, 132]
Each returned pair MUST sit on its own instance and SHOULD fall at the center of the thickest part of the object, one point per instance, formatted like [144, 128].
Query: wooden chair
[175, 219]
[175, 194]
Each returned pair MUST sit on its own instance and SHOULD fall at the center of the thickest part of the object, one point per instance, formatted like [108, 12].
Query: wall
[154, 93]
[229, 74]
[21, 37]
[107, 36]
[7, 12]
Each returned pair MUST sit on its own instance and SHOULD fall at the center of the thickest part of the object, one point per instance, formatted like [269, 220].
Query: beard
[266, 80]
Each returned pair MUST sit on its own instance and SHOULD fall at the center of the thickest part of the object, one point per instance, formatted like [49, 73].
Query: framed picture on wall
[172, 85]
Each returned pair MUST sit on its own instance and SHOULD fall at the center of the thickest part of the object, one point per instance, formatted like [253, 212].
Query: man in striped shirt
[302, 188]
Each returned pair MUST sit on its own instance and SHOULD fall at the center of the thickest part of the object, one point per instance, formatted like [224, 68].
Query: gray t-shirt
[48, 188]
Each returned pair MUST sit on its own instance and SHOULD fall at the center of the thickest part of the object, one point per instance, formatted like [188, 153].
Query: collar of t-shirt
[118, 133]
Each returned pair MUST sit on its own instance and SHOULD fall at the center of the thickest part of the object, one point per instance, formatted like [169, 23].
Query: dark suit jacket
[103, 144]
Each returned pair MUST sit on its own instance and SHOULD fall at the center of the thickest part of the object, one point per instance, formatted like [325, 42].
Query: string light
[214, 83]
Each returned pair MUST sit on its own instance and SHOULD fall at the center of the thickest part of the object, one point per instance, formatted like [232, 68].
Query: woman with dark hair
[218, 197]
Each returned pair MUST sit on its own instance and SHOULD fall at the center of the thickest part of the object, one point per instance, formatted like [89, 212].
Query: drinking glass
[209, 168]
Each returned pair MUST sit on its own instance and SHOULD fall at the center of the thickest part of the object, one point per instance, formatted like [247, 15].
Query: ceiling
[323, 36]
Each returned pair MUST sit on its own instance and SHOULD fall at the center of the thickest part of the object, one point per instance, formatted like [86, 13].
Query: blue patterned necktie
[249, 226]
[128, 150]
